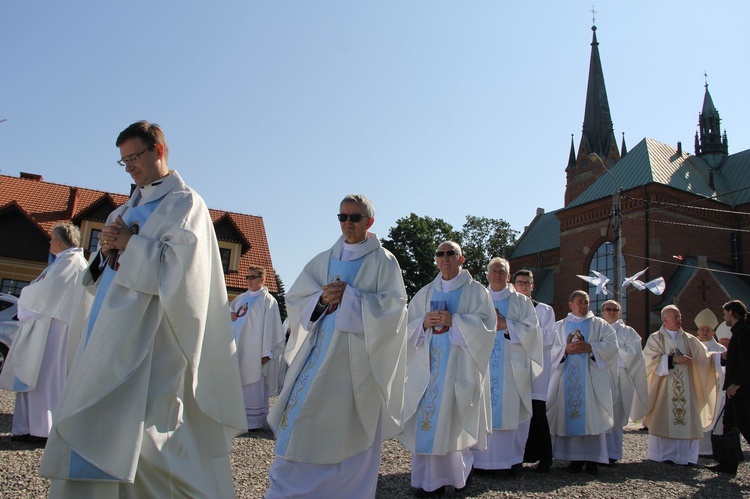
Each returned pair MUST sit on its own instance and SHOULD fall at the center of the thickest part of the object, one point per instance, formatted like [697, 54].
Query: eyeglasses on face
[522, 283]
[611, 309]
[440, 254]
[253, 277]
[354, 217]
[132, 158]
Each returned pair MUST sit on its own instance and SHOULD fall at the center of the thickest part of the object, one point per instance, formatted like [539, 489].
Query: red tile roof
[48, 203]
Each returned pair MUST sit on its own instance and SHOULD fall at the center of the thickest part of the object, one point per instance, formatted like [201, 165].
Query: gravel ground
[253, 453]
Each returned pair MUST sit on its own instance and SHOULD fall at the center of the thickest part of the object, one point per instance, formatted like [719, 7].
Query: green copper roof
[543, 234]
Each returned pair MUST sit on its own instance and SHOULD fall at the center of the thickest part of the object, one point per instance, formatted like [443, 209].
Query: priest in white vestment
[706, 322]
[344, 388]
[153, 397]
[629, 387]
[682, 377]
[515, 363]
[539, 441]
[447, 405]
[260, 340]
[580, 407]
[37, 365]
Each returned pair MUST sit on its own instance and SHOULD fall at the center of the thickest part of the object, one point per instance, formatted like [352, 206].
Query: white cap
[706, 318]
[723, 331]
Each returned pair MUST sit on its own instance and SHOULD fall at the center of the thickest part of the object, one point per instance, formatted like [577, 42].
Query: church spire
[572, 157]
[624, 149]
[710, 143]
[597, 120]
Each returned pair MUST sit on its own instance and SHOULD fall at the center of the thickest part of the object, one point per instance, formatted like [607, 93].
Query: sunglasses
[354, 217]
[609, 309]
[440, 254]
[253, 277]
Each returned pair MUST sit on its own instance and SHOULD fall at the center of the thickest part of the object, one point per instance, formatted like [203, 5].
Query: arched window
[602, 262]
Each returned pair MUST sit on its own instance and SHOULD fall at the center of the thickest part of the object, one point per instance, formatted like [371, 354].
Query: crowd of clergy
[469, 378]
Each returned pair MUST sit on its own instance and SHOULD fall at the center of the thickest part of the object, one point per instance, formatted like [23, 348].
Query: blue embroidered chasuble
[337, 270]
[440, 346]
[574, 372]
[497, 368]
[133, 216]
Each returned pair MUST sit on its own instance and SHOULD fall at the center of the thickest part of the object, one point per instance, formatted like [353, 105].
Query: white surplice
[153, 398]
[522, 363]
[598, 410]
[705, 447]
[36, 367]
[258, 334]
[355, 398]
[465, 413]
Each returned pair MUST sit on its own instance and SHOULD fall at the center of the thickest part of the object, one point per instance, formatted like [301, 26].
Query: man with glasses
[515, 363]
[629, 387]
[154, 395]
[681, 376]
[539, 442]
[580, 394]
[344, 388]
[447, 406]
[260, 338]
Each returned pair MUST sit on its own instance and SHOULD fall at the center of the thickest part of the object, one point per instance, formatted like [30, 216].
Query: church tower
[598, 134]
[710, 145]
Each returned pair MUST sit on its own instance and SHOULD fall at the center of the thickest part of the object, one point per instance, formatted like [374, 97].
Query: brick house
[684, 216]
[29, 207]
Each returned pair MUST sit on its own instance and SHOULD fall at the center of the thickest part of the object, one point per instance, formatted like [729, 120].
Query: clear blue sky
[280, 108]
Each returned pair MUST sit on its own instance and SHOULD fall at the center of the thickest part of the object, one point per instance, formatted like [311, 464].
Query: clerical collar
[449, 285]
[672, 334]
[575, 318]
[499, 294]
[255, 293]
[348, 250]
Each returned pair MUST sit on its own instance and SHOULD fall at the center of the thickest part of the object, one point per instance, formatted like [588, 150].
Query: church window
[602, 262]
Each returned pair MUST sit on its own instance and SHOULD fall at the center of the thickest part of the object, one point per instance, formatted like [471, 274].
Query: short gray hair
[360, 199]
[455, 246]
[501, 261]
[668, 308]
[578, 292]
[67, 233]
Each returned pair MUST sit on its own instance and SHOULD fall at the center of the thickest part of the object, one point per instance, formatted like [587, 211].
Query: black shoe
[611, 463]
[20, 438]
[429, 493]
[643, 428]
[575, 467]
[515, 470]
[592, 468]
[720, 468]
[37, 440]
[466, 486]
[544, 466]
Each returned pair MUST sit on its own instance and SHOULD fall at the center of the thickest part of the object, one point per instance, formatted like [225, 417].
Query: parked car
[8, 324]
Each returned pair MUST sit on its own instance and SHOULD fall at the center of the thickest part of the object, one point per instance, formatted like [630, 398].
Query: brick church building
[684, 216]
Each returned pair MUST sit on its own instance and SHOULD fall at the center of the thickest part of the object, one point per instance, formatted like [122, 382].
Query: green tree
[280, 296]
[483, 239]
[413, 242]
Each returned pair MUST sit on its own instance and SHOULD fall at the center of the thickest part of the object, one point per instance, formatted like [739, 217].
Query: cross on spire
[705, 76]
[593, 15]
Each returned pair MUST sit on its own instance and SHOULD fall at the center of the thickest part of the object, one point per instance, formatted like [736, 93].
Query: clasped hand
[115, 236]
[437, 318]
[578, 347]
[333, 293]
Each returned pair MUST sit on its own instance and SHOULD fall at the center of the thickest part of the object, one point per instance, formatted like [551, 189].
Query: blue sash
[321, 337]
[134, 217]
[497, 368]
[440, 347]
[247, 304]
[575, 372]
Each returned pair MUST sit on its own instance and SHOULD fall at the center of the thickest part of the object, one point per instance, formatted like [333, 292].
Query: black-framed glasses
[440, 254]
[132, 157]
[610, 309]
[354, 217]
[522, 283]
[253, 277]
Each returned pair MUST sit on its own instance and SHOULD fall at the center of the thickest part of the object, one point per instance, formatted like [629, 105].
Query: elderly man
[706, 322]
[447, 406]
[343, 392]
[515, 362]
[37, 362]
[153, 396]
[629, 387]
[737, 379]
[580, 391]
[539, 442]
[260, 338]
[681, 391]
